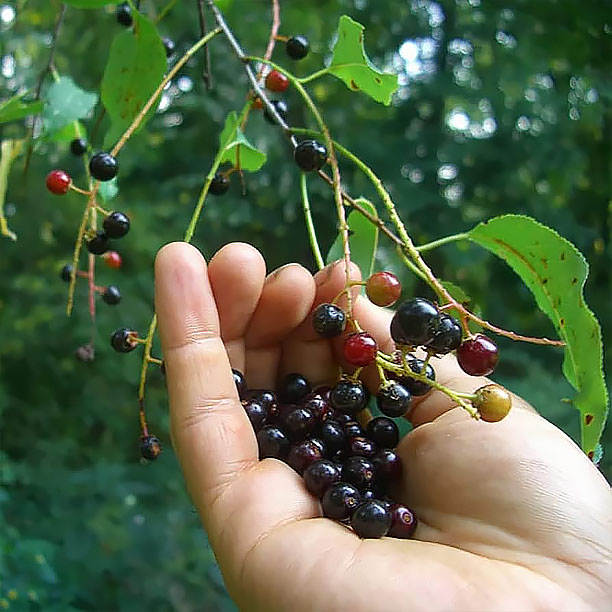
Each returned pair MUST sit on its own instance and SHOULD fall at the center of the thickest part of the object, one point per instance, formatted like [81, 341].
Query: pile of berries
[349, 468]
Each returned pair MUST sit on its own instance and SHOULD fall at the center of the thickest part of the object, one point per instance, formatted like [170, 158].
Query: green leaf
[351, 64]
[135, 68]
[69, 132]
[555, 272]
[10, 150]
[14, 109]
[363, 240]
[90, 4]
[65, 102]
[238, 150]
[108, 190]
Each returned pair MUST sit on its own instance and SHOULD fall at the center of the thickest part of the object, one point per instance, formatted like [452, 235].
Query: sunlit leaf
[108, 189]
[555, 272]
[363, 240]
[65, 102]
[135, 68]
[238, 150]
[14, 108]
[351, 64]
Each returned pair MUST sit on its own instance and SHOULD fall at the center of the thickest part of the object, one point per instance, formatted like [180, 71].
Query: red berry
[276, 81]
[360, 349]
[403, 522]
[112, 259]
[58, 182]
[478, 356]
[383, 288]
[257, 103]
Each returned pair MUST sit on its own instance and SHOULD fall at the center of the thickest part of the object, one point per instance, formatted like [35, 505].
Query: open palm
[512, 515]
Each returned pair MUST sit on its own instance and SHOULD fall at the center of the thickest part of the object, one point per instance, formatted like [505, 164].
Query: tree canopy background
[503, 106]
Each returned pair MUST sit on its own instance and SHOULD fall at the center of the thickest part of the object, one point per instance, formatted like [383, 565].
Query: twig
[207, 74]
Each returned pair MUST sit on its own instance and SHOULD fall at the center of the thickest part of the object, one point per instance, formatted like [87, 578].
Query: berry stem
[155, 361]
[171, 74]
[73, 187]
[207, 73]
[314, 243]
[148, 343]
[428, 246]
[273, 33]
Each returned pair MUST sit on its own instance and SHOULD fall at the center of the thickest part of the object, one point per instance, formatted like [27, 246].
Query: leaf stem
[312, 235]
[314, 75]
[442, 241]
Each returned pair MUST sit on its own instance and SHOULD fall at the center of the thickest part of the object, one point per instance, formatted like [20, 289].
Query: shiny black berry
[353, 429]
[78, 147]
[219, 185]
[328, 320]
[332, 434]
[241, 384]
[272, 442]
[122, 340]
[310, 155]
[417, 387]
[281, 108]
[359, 471]
[340, 501]
[393, 399]
[103, 166]
[318, 476]
[418, 321]
[383, 432]
[150, 447]
[98, 245]
[360, 446]
[116, 225]
[169, 46]
[123, 14]
[371, 520]
[349, 396]
[403, 522]
[302, 454]
[448, 336]
[66, 273]
[111, 295]
[297, 47]
[267, 399]
[396, 331]
[257, 414]
[293, 389]
[388, 466]
[298, 423]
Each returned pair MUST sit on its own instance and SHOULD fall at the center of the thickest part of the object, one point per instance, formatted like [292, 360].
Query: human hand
[513, 516]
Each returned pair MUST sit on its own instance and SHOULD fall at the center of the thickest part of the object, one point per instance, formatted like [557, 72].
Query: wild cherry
[383, 288]
[98, 245]
[310, 155]
[492, 402]
[333, 436]
[78, 147]
[447, 337]
[403, 522]
[257, 414]
[360, 349]
[281, 108]
[111, 295]
[478, 355]
[359, 471]
[58, 182]
[349, 396]
[293, 388]
[393, 399]
[383, 432]
[169, 46]
[318, 476]
[418, 321]
[150, 447]
[219, 185]
[328, 320]
[340, 500]
[272, 442]
[66, 273]
[122, 340]
[298, 423]
[297, 47]
[276, 81]
[241, 384]
[371, 520]
[123, 14]
[388, 466]
[418, 387]
[360, 446]
[112, 259]
[302, 454]
[103, 166]
[116, 225]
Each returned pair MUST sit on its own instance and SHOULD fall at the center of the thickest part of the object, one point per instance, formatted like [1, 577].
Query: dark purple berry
[388, 466]
[297, 47]
[448, 336]
[328, 320]
[241, 384]
[219, 185]
[318, 405]
[353, 430]
[169, 46]
[349, 396]
[418, 321]
[344, 419]
[393, 399]
[272, 443]
[318, 476]
[256, 413]
[150, 447]
[298, 423]
[478, 356]
[111, 295]
[332, 434]
[293, 389]
[281, 108]
[116, 225]
[78, 147]
[403, 522]
[361, 447]
[123, 14]
[371, 520]
[310, 155]
[98, 245]
[340, 501]
[267, 399]
[418, 387]
[66, 273]
[359, 471]
[396, 331]
[103, 166]
[383, 432]
[303, 454]
[122, 340]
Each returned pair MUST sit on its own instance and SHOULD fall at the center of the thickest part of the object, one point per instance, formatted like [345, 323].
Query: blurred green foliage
[503, 106]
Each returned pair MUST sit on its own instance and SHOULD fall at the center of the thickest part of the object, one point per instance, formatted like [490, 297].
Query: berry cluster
[348, 467]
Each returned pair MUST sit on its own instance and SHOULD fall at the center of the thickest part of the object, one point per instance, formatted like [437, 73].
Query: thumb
[211, 432]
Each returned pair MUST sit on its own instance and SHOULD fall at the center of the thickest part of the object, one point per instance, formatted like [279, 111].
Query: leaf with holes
[555, 272]
[135, 67]
[65, 102]
[14, 108]
[90, 4]
[238, 150]
[363, 240]
[351, 64]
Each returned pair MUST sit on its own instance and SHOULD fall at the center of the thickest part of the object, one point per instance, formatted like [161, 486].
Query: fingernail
[279, 271]
[322, 276]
